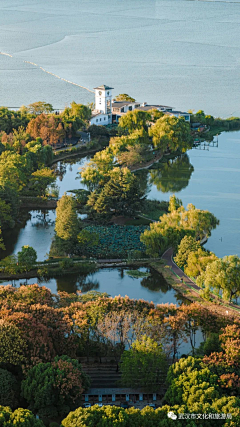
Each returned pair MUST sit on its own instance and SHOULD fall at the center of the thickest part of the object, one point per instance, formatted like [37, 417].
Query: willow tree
[223, 275]
[170, 132]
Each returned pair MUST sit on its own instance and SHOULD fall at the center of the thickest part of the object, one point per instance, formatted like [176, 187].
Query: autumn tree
[49, 128]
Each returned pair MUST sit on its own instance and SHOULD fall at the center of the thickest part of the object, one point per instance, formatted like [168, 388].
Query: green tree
[55, 388]
[133, 120]
[224, 276]
[8, 389]
[106, 416]
[10, 265]
[67, 225]
[27, 258]
[174, 203]
[137, 138]
[132, 155]
[144, 365]
[41, 179]
[19, 418]
[124, 97]
[120, 194]
[77, 116]
[187, 245]
[197, 262]
[40, 107]
[175, 225]
[172, 133]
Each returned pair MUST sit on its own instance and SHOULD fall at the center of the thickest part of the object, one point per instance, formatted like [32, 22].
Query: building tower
[103, 99]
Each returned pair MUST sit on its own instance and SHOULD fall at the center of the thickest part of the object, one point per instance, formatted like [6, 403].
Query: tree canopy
[172, 133]
[124, 97]
[143, 365]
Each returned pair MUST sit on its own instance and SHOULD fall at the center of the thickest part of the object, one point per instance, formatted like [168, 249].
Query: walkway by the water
[167, 256]
[188, 284]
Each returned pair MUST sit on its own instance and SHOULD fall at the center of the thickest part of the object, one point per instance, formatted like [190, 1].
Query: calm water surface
[115, 282]
[176, 52]
[208, 179]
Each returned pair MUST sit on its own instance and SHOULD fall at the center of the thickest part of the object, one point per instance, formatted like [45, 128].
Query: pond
[114, 281]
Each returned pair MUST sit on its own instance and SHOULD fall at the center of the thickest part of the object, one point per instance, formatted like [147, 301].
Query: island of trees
[44, 336]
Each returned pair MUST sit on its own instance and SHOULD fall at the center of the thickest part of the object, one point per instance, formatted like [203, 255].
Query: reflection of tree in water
[87, 285]
[142, 180]
[156, 282]
[173, 175]
[121, 272]
[72, 282]
[60, 169]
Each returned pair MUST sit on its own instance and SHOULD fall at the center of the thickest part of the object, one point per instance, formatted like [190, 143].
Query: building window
[122, 110]
[96, 120]
[100, 120]
[108, 106]
[109, 116]
[130, 108]
[104, 118]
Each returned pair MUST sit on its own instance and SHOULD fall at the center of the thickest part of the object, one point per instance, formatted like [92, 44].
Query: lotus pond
[117, 241]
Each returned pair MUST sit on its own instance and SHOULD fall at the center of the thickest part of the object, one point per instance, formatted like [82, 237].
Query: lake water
[210, 179]
[176, 52]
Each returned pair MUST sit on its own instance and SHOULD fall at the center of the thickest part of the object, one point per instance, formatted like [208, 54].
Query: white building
[107, 111]
[102, 114]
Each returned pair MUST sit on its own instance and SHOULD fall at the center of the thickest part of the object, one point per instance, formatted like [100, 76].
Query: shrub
[66, 263]
[19, 418]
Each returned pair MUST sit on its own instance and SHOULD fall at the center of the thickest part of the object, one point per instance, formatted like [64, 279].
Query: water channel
[208, 178]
